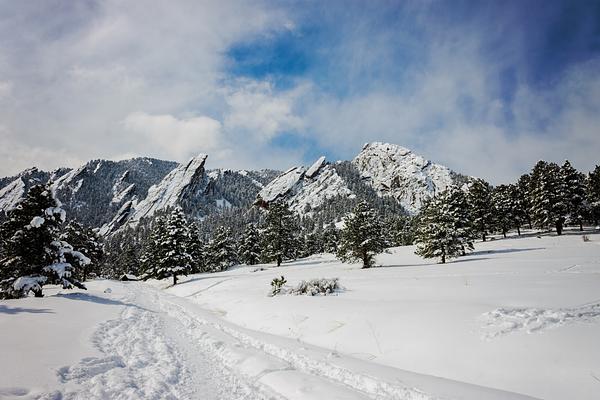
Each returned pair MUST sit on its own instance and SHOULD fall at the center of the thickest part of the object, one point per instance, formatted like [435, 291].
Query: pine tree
[574, 191]
[362, 236]
[502, 199]
[331, 237]
[220, 252]
[399, 230]
[442, 232]
[480, 201]
[593, 193]
[547, 196]
[167, 255]
[86, 240]
[196, 250]
[524, 204]
[250, 246]
[463, 218]
[278, 240]
[33, 254]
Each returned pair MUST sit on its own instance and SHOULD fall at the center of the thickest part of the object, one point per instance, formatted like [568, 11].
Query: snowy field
[519, 317]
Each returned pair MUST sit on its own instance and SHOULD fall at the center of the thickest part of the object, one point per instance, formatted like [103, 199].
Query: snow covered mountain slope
[396, 171]
[179, 187]
[94, 192]
[387, 169]
[305, 189]
[12, 189]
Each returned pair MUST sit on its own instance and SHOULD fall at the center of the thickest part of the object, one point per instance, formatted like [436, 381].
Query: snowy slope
[517, 318]
[305, 189]
[396, 171]
[521, 315]
[11, 194]
[180, 185]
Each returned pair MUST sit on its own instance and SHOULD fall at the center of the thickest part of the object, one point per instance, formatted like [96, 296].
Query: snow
[11, 194]
[173, 186]
[313, 169]
[67, 178]
[223, 203]
[302, 188]
[439, 320]
[516, 318]
[36, 222]
[27, 283]
[119, 196]
[281, 185]
[396, 171]
[98, 166]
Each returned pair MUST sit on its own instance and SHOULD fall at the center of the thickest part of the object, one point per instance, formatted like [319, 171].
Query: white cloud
[255, 108]
[165, 136]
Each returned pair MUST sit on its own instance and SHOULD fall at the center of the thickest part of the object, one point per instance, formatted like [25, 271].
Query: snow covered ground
[517, 318]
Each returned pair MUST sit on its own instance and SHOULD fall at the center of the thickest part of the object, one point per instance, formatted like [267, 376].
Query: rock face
[388, 169]
[396, 171]
[179, 188]
[305, 189]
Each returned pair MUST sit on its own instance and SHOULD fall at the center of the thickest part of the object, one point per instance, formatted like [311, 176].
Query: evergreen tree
[33, 254]
[503, 201]
[279, 242]
[463, 218]
[250, 246]
[87, 241]
[547, 196]
[399, 230]
[362, 236]
[480, 201]
[167, 254]
[331, 237]
[593, 193]
[196, 250]
[442, 232]
[220, 252]
[524, 197]
[574, 191]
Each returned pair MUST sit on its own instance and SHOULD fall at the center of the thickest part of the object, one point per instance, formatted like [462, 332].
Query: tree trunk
[518, 230]
[443, 255]
[174, 280]
[529, 222]
[279, 261]
[365, 258]
[483, 236]
[559, 227]
[504, 232]
[581, 225]
[38, 293]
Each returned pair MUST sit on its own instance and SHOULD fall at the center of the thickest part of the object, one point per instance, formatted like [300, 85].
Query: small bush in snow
[316, 287]
[277, 284]
[585, 238]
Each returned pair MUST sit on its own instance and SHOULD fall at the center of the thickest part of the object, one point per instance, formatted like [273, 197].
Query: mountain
[110, 195]
[389, 170]
[396, 171]
[305, 188]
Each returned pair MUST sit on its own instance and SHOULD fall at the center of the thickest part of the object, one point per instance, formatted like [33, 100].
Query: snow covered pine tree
[480, 202]
[278, 235]
[250, 245]
[574, 191]
[362, 236]
[220, 252]
[33, 254]
[440, 231]
[167, 255]
[87, 241]
[547, 196]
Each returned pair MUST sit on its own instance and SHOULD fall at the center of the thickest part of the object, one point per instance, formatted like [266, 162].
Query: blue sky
[484, 87]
